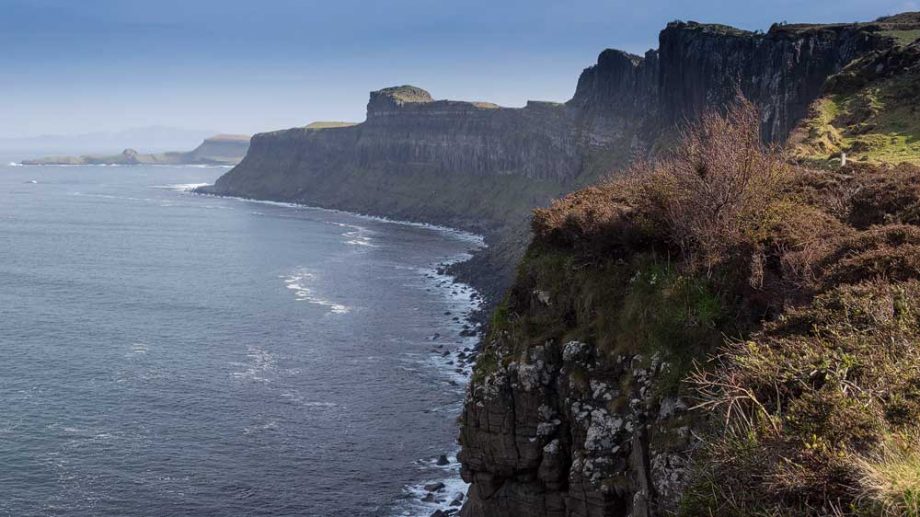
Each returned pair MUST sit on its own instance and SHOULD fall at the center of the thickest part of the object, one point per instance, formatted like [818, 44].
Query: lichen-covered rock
[560, 447]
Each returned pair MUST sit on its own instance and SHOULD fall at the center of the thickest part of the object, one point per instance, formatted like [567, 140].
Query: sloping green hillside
[870, 111]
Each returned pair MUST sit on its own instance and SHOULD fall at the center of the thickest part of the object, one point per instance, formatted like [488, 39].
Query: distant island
[216, 150]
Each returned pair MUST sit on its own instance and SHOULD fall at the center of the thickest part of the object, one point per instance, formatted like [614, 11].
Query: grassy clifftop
[870, 110]
[785, 302]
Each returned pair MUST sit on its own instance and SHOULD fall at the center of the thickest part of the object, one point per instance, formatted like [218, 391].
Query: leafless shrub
[714, 190]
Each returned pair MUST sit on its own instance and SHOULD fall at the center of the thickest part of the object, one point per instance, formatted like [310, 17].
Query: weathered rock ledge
[560, 430]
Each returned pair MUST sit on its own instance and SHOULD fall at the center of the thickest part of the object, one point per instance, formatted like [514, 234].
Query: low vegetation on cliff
[784, 300]
[869, 110]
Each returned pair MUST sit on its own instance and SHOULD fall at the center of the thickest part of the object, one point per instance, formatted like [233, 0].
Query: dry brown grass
[890, 252]
[707, 200]
[811, 395]
[884, 195]
[890, 480]
[595, 216]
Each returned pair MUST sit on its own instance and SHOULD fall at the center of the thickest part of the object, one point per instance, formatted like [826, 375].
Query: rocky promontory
[417, 158]
[216, 150]
[483, 167]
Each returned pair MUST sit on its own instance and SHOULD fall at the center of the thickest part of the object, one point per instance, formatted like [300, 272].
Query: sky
[79, 66]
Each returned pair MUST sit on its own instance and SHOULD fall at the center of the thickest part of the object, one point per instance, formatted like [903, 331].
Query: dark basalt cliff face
[415, 157]
[698, 67]
[782, 71]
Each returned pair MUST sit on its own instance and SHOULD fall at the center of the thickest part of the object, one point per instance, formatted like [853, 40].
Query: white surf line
[446, 490]
[417, 502]
[180, 187]
[302, 293]
[475, 238]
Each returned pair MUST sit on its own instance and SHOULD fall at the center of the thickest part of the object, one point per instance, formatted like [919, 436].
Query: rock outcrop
[217, 150]
[561, 430]
[563, 418]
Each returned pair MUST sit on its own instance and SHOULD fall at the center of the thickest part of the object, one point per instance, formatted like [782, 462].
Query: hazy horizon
[235, 67]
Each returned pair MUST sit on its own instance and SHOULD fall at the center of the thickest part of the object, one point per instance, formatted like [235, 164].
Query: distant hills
[215, 150]
[153, 139]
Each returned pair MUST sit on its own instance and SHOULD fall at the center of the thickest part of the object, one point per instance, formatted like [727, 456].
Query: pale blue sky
[70, 66]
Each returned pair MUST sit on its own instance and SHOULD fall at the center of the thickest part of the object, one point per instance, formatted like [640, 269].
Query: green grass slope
[870, 111]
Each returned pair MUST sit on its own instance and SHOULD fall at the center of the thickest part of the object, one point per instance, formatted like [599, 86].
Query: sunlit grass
[892, 482]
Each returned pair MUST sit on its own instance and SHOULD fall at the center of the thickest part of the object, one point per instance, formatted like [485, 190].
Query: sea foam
[476, 240]
[181, 187]
[303, 293]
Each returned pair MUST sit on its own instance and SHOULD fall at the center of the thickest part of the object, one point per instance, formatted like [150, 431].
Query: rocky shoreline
[453, 353]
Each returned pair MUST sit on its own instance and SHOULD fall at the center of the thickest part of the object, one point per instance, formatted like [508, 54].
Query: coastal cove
[332, 259]
[211, 353]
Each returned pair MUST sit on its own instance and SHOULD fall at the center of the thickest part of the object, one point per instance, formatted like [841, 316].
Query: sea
[169, 353]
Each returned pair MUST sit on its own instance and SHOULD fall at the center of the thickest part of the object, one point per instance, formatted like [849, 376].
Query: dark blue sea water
[165, 353]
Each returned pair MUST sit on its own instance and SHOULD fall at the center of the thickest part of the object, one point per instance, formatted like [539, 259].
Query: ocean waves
[357, 235]
[303, 292]
[181, 187]
[477, 241]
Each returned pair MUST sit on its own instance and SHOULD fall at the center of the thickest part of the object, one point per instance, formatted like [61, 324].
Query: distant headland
[216, 150]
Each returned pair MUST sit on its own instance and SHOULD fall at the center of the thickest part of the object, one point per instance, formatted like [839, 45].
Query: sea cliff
[723, 277]
[483, 167]
[724, 331]
[474, 166]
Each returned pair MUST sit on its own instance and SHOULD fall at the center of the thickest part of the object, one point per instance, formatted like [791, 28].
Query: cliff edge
[728, 328]
[720, 332]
